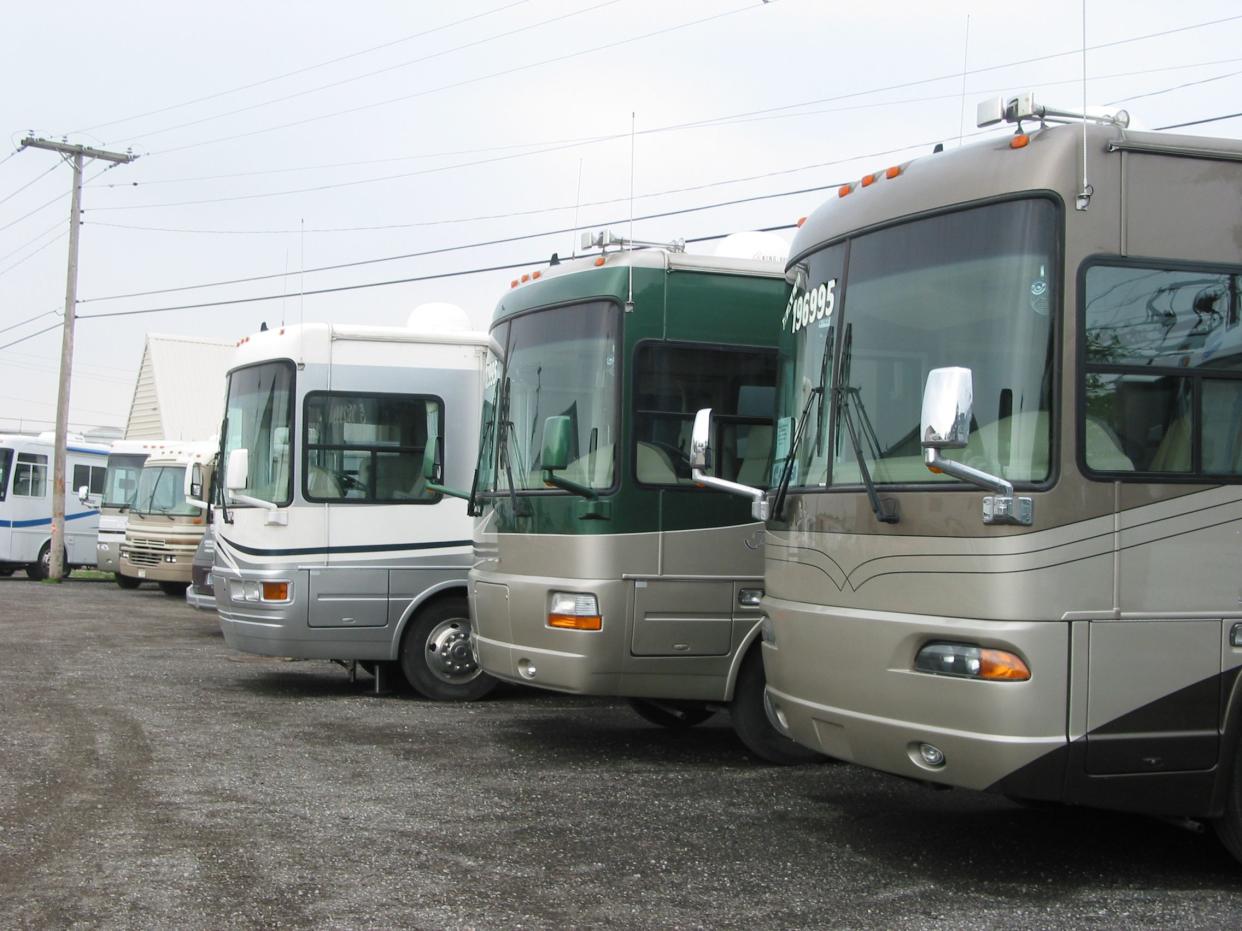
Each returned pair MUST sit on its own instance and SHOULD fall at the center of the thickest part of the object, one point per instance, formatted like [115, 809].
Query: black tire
[675, 715]
[42, 569]
[127, 581]
[750, 721]
[5, 573]
[1229, 825]
[436, 657]
[174, 589]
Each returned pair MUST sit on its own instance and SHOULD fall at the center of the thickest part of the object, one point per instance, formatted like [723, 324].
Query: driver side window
[673, 380]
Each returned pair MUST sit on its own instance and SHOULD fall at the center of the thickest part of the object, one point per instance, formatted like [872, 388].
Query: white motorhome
[26, 502]
[329, 542]
[165, 523]
[119, 488]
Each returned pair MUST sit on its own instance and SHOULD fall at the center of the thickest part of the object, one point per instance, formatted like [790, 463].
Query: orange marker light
[1001, 664]
[513, 283]
[525, 278]
[893, 172]
[869, 180]
[801, 222]
[1019, 141]
[844, 189]
[599, 261]
[275, 591]
[535, 276]
[576, 621]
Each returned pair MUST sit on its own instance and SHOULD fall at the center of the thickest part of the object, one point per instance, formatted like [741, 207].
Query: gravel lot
[152, 778]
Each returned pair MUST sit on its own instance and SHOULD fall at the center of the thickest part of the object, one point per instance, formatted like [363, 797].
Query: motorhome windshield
[6, 461]
[160, 492]
[121, 480]
[560, 361]
[259, 418]
[972, 288]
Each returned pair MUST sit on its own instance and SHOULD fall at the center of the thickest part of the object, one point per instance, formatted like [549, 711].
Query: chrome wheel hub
[449, 656]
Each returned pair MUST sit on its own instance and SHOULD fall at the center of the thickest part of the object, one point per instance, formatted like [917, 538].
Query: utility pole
[75, 154]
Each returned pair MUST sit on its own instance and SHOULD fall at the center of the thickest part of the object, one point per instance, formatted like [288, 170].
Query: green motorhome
[1004, 552]
[601, 567]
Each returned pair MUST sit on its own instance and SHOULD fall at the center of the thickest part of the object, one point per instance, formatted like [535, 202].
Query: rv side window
[90, 476]
[6, 460]
[1163, 371]
[368, 448]
[30, 476]
[672, 381]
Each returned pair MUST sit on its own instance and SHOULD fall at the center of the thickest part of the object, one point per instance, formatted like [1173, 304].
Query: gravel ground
[152, 778]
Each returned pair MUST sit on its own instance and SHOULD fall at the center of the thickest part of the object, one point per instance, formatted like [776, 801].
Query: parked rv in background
[26, 502]
[165, 525]
[329, 544]
[125, 461]
[601, 567]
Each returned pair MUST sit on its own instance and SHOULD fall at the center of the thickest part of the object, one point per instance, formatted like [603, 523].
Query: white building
[179, 394]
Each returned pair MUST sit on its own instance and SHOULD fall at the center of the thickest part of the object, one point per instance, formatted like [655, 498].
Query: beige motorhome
[165, 524]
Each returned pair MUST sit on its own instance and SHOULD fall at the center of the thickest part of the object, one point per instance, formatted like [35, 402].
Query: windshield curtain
[259, 418]
[121, 480]
[557, 362]
[6, 462]
[973, 288]
[161, 491]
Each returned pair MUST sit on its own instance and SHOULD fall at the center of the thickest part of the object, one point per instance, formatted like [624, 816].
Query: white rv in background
[119, 488]
[329, 543]
[26, 502]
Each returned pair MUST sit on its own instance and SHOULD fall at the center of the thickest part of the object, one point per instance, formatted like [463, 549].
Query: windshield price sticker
[811, 306]
[491, 373]
[784, 433]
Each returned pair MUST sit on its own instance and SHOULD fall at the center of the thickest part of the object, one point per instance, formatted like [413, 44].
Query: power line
[32, 240]
[54, 326]
[439, 276]
[289, 74]
[21, 323]
[474, 245]
[1210, 119]
[34, 180]
[57, 199]
[370, 74]
[27, 258]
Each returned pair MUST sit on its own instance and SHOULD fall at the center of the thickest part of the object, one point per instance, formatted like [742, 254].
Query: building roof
[179, 394]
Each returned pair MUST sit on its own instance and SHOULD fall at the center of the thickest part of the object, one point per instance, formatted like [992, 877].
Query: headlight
[971, 661]
[574, 611]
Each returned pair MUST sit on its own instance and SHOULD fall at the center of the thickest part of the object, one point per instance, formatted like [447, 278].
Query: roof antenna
[577, 207]
[961, 107]
[629, 301]
[1083, 201]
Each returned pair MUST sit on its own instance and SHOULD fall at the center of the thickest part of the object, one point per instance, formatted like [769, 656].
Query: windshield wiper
[473, 509]
[884, 511]
[782, 487]
[507, 429]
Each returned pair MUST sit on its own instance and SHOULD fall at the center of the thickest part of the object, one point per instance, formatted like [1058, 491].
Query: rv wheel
[5, 573]
[676, 715]
[751, 724]
[43, 568]
[436, 658]
[127, 581]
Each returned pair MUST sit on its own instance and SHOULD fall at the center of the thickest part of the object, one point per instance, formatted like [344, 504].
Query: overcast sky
[269, 143]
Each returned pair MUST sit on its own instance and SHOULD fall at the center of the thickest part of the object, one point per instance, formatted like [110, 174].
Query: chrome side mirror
[945, 424]
[947, 402]
[192, 486]
[701, 459]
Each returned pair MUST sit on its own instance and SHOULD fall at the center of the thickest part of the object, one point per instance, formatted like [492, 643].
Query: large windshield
[557, 362]
[160, 491]
[121, 479]
[259, 418]
[973, 288]
[6, 462]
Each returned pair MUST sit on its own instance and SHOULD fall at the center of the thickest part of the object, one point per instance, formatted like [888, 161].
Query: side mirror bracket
[701, 460]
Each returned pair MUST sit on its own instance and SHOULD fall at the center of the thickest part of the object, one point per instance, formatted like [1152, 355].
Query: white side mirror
[237, 476]
[192, 488]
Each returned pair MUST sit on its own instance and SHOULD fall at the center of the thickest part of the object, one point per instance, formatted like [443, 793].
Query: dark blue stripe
[38, 521]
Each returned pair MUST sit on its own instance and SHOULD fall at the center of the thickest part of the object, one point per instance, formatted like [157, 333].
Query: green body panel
[668, 304]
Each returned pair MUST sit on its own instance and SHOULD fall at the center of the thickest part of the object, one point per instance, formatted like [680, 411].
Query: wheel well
[1231, 733]
[432, 596]
[749, 642]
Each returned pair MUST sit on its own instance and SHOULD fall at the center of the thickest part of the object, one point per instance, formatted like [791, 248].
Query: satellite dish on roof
[764, 247]
[438, 317]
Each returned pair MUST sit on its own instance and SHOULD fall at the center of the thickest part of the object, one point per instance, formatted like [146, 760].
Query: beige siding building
[179, 394]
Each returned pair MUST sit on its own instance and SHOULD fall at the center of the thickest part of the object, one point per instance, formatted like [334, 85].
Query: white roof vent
[438, 317]
[763, 247]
